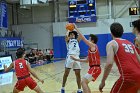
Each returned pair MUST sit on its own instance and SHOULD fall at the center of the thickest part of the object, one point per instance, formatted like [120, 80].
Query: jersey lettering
[73, 47]
[20, 65]
[128, 48]
[74, 44]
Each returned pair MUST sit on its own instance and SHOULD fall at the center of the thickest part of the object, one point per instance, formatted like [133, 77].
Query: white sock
[63, 88]
[79, 90]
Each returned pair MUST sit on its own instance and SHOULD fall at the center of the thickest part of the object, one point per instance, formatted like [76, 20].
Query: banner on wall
[11, 42]
[3, 16]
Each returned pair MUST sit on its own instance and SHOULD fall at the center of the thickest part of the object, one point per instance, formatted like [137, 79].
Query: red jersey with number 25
[21, 69]
[126, 59]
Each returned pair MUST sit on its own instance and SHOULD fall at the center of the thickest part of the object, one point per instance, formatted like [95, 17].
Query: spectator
[37, 51]
[48, 54]
[32, 56]
[51, 54]
[40, 54]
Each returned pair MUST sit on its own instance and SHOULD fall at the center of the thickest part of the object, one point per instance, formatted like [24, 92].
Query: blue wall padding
[59, 47]
[129, 36]
[60, 50]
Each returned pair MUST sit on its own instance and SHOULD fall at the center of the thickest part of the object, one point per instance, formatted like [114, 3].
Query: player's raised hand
[101, 86]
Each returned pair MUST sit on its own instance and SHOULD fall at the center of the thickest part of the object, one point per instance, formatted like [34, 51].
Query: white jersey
[73, 47]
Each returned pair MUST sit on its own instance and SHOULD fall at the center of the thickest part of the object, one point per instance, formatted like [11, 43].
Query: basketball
[70, 26]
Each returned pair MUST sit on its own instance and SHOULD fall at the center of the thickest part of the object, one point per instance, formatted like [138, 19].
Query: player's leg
[78, 78]
[33, 85]
[68, 66]
[77, 69]
[20, 85]
[16, 90]
[37, 89]
[86, 79]
[92, 75]
[85, 86]
[65, 76]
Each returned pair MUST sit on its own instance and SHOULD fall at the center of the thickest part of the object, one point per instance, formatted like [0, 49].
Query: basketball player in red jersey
[136, 31]
[127, 60]
[93, 59]
[23, 71]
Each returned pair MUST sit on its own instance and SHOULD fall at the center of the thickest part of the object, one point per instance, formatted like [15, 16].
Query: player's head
[136, 26]
[20, 53]
[116, 30]
[93, 38]
[73, 34]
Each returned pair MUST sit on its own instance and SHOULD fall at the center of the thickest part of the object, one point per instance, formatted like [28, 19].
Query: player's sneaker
[62, 91]
[79, 92]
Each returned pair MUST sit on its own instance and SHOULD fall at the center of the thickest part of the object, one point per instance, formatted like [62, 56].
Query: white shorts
[70, 63]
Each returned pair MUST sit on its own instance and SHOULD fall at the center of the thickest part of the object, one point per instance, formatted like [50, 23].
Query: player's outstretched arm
[83, 37]
[9, 68]
[80, 60]
[109, 64]
[79, 38]
[33, 73]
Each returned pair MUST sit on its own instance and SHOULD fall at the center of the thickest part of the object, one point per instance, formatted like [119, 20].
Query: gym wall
[46, 25]
[101, 29]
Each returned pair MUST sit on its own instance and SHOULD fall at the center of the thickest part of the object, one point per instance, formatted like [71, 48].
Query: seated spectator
[51, 53]
[48, 54]
[40, 55]
[37, 51]
[32, 56]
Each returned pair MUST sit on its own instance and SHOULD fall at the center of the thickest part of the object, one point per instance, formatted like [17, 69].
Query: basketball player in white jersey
[72, 41]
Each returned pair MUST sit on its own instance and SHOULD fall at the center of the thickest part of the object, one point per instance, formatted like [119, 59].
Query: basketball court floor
[52, 74]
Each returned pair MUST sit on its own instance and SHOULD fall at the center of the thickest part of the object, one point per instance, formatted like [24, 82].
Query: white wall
[45, 14]
[38, 24]
[36, 14]
[36, 33]
[101, 27]
[35, 24]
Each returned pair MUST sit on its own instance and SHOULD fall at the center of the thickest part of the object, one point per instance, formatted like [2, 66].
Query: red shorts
[93, 73]
[21, 84]
[125, 86]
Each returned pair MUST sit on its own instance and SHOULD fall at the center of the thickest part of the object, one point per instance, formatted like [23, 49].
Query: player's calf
[15, 90]
[37, 89]
[85, 86]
